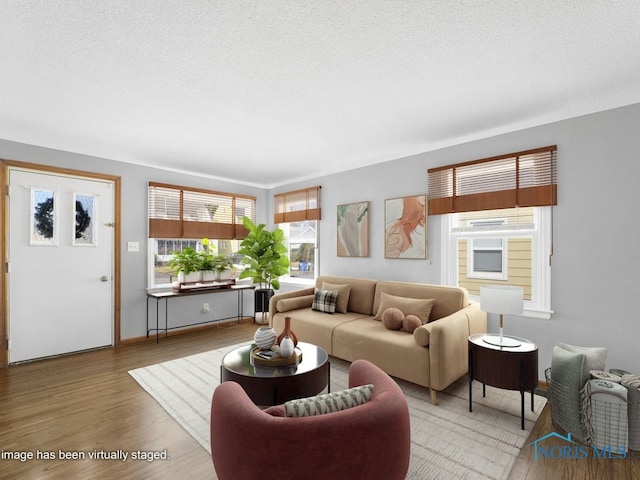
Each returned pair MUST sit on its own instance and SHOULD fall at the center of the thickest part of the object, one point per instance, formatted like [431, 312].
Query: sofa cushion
[313, 326]
[343, 295]
[325, 300]
[410, 323]
[329, 402]
[361, 294]
[392, 318]
[596, 356]
[419, 307]
[448, 299]
[394, 351]
[294, 303]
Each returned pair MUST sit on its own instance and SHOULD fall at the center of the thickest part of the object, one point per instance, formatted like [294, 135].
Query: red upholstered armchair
[371, 440]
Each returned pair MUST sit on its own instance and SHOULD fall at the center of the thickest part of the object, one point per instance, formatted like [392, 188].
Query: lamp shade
[503, 299]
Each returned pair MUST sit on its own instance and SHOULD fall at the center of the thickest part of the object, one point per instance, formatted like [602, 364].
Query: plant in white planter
[185, 262]
[207, 261]
[220, 264]
[212, 266]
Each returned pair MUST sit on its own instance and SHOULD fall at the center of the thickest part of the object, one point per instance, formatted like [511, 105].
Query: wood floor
[87, 402]
[526, 468]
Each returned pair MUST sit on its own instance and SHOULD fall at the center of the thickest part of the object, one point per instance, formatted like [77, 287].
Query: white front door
[61, 244]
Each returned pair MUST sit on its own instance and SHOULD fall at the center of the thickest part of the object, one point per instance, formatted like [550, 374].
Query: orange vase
[287, 332]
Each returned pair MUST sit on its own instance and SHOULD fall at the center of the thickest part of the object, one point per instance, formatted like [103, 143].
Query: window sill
[159, 287]
[540, 314]
[528, 312]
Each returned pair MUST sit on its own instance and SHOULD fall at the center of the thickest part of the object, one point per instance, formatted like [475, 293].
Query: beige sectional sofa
[434, 355]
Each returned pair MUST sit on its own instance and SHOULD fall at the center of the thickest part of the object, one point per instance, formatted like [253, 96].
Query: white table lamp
[503, 300]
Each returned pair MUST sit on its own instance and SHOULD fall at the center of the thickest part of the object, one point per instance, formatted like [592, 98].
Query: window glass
[161, 251]
[487, 255]
[302, 244]
[504, 247]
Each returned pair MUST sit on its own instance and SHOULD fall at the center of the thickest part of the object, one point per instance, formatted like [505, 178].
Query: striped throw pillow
[328, 402]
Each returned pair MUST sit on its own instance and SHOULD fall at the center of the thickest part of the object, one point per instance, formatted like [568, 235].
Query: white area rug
[447, 441]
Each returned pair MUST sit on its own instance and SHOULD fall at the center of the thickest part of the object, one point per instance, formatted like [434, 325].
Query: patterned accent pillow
[328, 402]
[325, 300]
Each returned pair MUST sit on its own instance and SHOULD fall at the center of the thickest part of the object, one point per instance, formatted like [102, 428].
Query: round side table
[510, 368]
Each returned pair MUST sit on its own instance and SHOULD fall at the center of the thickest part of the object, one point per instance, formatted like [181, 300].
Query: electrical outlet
[205, 308]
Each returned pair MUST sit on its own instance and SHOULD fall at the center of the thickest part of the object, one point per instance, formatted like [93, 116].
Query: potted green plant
[265, 256]
[185, 262]
[207, 261]
[220, 264]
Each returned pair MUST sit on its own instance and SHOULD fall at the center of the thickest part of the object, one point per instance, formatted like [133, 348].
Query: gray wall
[596, 260]
[596, 256]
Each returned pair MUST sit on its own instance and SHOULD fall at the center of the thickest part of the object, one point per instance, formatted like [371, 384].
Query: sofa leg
[433, 396]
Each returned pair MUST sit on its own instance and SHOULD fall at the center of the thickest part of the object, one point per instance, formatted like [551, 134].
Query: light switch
[133, 246]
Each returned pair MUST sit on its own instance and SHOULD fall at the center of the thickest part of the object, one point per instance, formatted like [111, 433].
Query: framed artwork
[353, 230]
[44, 217]
[84, 211]
[405, 227]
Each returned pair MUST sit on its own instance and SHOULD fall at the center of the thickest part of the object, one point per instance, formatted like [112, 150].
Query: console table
[167, 295]
[511, 368]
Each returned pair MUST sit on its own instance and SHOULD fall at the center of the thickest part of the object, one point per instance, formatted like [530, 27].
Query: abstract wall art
[353, 230]
[405, 223]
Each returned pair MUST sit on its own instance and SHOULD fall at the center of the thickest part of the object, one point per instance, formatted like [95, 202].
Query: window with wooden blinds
[522, 179]
[182, 212]
[297, 206]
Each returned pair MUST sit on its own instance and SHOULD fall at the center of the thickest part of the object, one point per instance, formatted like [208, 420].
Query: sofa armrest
[422, 334]
[448, 344]
[294, 299]
[477, 320]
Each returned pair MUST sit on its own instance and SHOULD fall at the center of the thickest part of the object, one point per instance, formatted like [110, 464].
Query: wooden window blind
[297, 206]
[522, 179]
[182, 212]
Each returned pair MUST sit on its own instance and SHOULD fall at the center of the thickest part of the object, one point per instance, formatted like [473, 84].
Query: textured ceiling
[269, 92]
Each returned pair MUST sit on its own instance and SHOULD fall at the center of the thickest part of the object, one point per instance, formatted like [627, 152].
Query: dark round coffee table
[267, 385]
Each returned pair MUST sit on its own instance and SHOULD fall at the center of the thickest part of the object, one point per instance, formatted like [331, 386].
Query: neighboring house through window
[497, 223]
[302, 243]
[514, 251]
